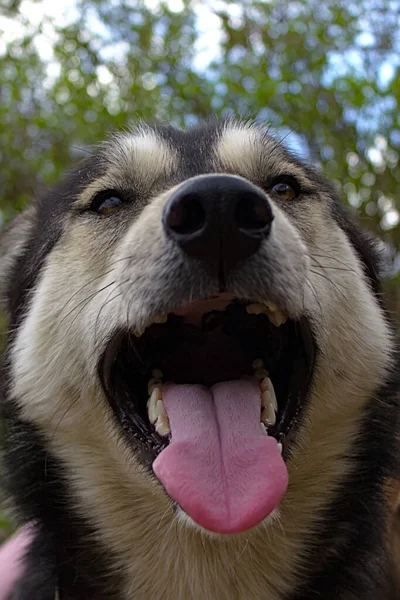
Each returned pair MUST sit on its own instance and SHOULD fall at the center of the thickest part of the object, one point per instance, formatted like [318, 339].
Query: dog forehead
[148, 153]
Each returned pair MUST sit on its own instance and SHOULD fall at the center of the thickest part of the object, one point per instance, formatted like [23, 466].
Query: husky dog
[200, 382]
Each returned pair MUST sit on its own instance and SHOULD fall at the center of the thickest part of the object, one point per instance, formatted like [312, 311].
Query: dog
[200, 379]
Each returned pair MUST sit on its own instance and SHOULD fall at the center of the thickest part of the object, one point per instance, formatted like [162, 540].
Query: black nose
[219, 219]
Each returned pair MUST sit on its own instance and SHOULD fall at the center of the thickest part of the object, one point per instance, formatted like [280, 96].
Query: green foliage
[326, 73]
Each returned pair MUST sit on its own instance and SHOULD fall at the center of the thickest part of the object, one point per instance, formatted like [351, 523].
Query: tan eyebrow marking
[239, 149]
[139, 157]
[246, 150]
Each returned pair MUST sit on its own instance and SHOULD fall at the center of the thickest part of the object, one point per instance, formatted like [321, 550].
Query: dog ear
[13, 240]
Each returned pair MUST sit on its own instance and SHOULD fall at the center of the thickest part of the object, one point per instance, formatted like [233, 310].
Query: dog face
[197, 335]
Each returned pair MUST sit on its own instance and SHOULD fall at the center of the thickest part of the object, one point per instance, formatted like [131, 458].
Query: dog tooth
[268, 414]
[162, 425]
[160, 318]
[264, 429]
[281, 317]
[151, 387]
[268, 397]
[156, 392]
[268, 393]
[152, 405]
[280, 447]
[271, 305]
[277, 318]
[151, 412]
[139, 332]
[261, 374]
[153, 383]
[157, 374]
[274, 401]
[256, 309]
[258, 363]
[160, 409]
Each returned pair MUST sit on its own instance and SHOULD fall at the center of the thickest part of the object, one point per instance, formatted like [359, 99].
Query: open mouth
[212, 392]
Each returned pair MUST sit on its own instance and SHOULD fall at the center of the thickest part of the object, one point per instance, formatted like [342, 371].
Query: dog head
[197, 334]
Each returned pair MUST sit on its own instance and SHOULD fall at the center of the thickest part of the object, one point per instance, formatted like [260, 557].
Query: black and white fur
[105, 527]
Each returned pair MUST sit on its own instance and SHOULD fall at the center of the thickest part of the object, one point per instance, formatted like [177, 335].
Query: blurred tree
[325, 74]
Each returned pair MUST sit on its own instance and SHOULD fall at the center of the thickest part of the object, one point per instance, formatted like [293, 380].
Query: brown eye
[106, 203]
[284, 191]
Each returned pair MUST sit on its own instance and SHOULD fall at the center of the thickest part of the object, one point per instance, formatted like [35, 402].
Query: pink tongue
[224, 472]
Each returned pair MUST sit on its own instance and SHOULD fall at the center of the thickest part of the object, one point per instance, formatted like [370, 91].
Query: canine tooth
[280, 447]
[261, 374]
[271, 305]
[256, 309]
[151, 412]
[268, 393]
[160, 409]
[258, 363]
[274, 401]
[268, 414]
[157, 374]
[156, 393]
[153, 408]
[268, 398]
[277, 318]
[162, 425]
[161, 318]
[153, 383]
[139, 332]
[152, 416]
[264, 429]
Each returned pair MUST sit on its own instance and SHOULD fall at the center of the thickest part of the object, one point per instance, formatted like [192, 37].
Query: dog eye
[106, 203]
[284, 191]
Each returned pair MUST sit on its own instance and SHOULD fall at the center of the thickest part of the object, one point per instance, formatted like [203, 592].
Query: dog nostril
[252, 214]
[186, 215]
[218, 219]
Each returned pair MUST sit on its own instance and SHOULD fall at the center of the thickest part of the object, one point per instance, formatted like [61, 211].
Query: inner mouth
[208, 366]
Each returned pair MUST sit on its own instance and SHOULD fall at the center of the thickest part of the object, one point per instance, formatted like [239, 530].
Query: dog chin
[186, 522]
